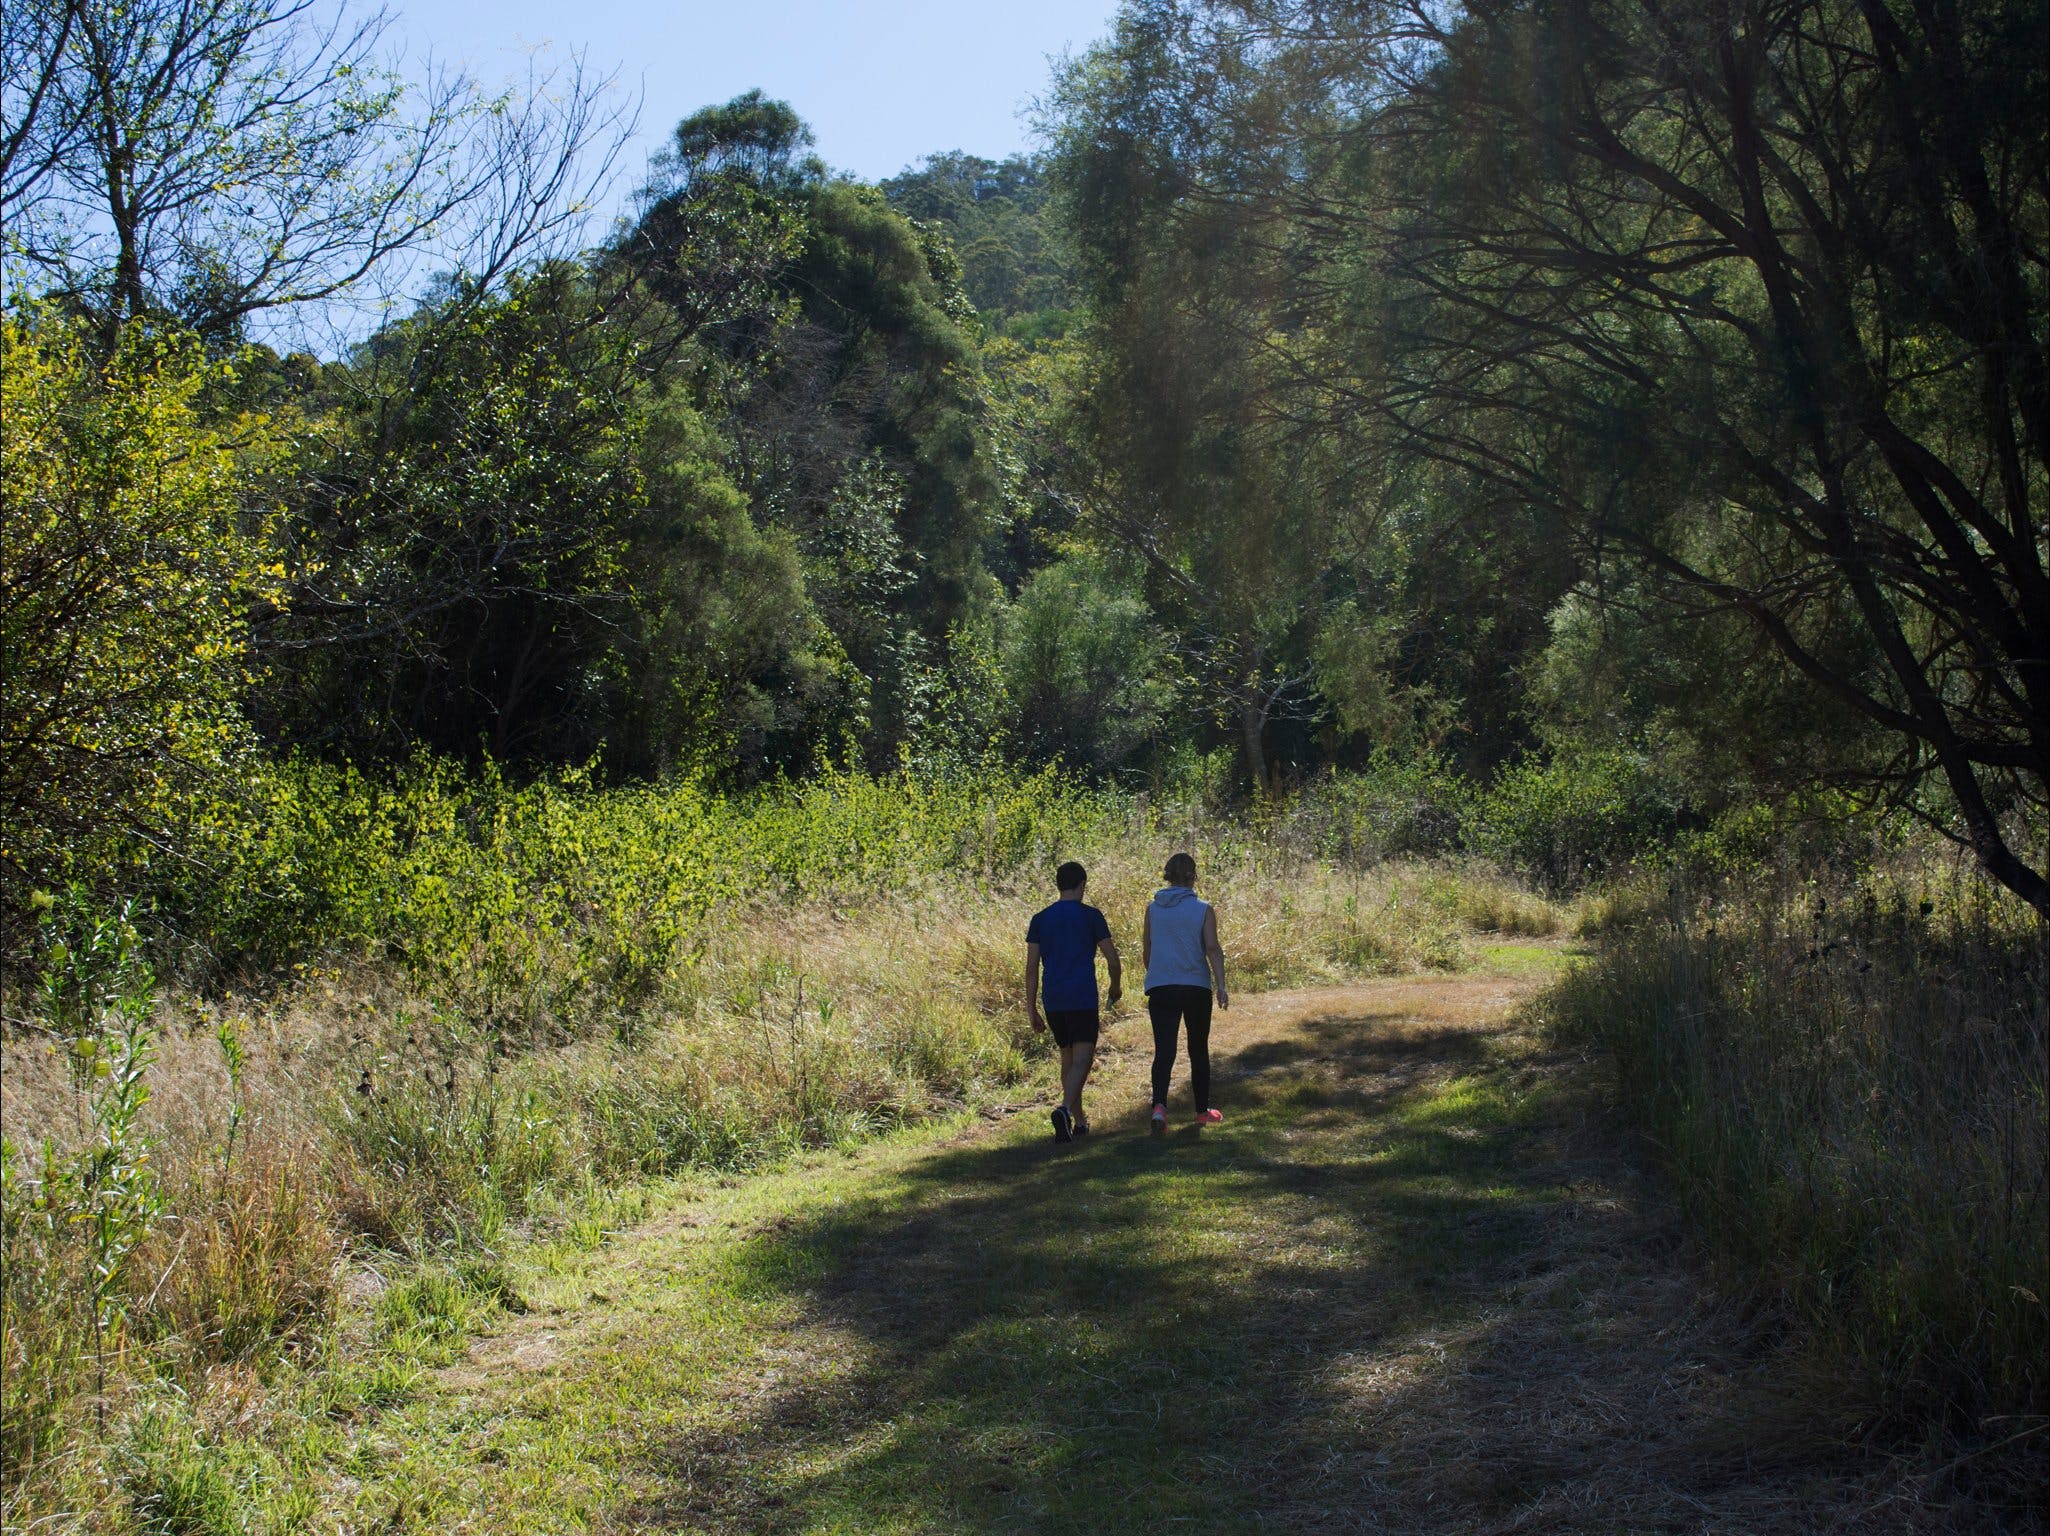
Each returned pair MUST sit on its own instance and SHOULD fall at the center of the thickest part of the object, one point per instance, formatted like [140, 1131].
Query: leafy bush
[1823, 834]
[1397, 807]
[531, 903]
[514, 901]
[1571, 818]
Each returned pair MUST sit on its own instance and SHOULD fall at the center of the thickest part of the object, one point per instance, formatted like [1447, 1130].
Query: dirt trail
[1410, 1285]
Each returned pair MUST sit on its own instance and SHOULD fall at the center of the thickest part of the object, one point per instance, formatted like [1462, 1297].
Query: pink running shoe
[1209, 1117]
[1160, 1119]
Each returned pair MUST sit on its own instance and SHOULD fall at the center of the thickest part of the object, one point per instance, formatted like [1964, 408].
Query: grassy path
[1408, 1286]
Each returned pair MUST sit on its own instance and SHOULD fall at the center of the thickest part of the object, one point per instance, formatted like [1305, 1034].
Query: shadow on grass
[1369, 1302]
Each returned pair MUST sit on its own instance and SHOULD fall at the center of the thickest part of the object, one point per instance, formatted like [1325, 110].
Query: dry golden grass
[252, 1262]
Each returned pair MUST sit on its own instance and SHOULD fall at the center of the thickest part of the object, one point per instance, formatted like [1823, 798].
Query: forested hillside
[1579, 469]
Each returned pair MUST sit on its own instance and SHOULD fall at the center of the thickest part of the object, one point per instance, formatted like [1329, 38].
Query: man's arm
[1032, 986]
[1213, 952]
[1109, 950]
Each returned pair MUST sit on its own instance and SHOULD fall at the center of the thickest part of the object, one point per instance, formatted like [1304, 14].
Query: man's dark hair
[1069, 876]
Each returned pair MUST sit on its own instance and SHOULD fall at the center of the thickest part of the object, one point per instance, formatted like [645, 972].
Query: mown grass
[1394, 1283]
[1846, 1086]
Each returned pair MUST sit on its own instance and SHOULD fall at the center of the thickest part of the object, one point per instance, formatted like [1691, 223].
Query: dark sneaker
[1063, 1127]
[1081, 1126]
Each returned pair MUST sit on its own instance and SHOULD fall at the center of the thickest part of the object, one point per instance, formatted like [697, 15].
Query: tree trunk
[1252, 726]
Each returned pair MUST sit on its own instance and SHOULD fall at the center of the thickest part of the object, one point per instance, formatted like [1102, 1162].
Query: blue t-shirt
[1067, 934]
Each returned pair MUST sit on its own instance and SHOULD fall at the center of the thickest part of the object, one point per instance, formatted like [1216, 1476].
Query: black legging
[1168, 1006]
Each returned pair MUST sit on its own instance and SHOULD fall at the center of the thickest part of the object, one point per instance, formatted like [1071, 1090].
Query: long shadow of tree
[1396, 1292]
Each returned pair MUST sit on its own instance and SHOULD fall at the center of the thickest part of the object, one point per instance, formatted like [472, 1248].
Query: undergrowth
[1846, 1086]
[478, 1014]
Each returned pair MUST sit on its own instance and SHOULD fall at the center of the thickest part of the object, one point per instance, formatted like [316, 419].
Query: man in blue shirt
[1063, 940]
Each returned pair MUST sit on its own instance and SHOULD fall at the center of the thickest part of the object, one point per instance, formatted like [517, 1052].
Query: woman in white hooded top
[1182, 957]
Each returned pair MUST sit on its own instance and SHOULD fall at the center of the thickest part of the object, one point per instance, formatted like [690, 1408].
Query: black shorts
[1072, 1026]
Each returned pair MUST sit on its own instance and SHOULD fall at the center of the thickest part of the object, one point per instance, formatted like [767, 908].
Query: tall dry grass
[1847, 1087]
[819, 1023]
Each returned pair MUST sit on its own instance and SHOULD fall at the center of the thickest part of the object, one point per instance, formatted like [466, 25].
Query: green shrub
[1824, 834]
[529, 903]
[1571, 818]
[136, 557]
[1397, 807]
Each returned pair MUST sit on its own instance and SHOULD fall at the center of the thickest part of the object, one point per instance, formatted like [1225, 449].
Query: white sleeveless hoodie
[1178, 960]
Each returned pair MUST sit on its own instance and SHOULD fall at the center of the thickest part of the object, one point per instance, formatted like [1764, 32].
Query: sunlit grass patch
[1524, 959]
[1474, 1102]
[429, 1315]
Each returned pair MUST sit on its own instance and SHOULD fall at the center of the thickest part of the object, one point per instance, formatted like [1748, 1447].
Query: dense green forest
[1325, 391]
[1605, 445]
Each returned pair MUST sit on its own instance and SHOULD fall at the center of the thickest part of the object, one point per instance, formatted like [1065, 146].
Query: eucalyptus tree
[208, 160]
[1234, 517]
[849, 390]
[1772, 278]
[997, 213]
[1088, 677]
[1255, 510]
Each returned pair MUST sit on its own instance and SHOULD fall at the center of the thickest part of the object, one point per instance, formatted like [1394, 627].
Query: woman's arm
[1213, 952]
[1146, 938]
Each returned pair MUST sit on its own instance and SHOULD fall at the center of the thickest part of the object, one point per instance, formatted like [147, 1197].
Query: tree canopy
[1590, 381]
[1743, 307]
[209, 161]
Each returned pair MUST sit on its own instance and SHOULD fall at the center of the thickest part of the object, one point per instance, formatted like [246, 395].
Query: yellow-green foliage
[134, 554]
[555, 906]
[519, 901]
[844, 831]
[551, 902]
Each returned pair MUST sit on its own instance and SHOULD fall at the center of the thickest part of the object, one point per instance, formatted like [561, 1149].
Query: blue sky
[883, 83]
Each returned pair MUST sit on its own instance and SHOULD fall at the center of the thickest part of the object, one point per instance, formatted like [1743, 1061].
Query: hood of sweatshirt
[1173, 896]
